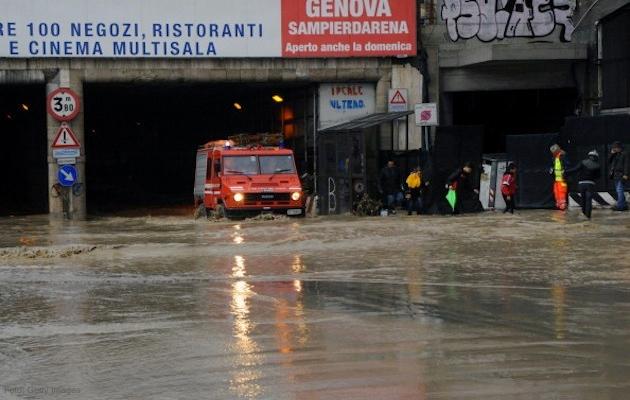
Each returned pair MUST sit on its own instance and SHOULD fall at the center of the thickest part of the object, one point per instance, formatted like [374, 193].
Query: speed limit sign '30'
[63, 104]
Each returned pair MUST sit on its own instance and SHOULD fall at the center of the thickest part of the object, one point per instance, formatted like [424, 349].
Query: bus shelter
[348, 160]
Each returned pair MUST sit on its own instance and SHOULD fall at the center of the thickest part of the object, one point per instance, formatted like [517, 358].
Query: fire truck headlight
[296, 196]
[238, 197]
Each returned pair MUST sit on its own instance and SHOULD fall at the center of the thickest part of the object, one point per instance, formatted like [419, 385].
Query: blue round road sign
[67, 175]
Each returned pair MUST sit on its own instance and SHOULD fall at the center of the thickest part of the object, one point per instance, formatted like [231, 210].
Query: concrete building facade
[517, 66]
[513, 66]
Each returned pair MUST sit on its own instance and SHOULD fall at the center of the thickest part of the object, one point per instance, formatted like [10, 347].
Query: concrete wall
[224, 70]
[474, 60]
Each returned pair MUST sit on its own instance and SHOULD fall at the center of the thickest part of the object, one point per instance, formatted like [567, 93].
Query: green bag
[451, 197]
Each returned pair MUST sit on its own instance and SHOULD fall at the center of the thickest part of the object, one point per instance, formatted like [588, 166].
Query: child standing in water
[508, 188]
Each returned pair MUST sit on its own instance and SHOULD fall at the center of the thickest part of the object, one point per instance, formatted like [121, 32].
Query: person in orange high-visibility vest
[560, 191]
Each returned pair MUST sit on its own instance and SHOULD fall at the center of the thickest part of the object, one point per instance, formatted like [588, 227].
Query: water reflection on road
[532, 306]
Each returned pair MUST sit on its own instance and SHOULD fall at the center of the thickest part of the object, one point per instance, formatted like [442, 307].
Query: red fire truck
[233, 181]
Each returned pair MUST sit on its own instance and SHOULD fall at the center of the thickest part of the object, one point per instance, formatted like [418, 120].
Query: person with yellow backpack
[413, 194]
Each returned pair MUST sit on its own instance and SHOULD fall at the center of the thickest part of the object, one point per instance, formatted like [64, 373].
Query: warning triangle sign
[398, 98]
[65, 138]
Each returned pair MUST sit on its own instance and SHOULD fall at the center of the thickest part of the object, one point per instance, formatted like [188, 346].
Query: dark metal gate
[342, 171]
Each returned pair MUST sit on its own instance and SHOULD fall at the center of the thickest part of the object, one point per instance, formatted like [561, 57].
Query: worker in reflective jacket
[558, 169]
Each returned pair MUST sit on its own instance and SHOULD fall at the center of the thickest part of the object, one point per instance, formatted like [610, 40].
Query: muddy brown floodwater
[534, 306]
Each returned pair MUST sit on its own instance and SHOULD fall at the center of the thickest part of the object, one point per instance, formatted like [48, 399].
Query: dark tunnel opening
[141, 139]
[514, 112]
[23, 187]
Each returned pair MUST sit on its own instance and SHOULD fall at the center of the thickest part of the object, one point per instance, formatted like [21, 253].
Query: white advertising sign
[343, 102]
[152, 29]
[208, 28]
[426, 114]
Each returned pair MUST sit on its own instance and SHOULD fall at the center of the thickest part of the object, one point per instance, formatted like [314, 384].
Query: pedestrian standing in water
[619, 172]
[414, 191]
[508, 188]
[390, 186]
[588, 172]
[559, 166]
[467, 197]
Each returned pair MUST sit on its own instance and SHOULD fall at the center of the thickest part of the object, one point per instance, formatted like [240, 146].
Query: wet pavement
[532, 306]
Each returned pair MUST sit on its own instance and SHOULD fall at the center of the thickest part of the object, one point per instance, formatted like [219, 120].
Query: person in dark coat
[588, 172]
[619, 172]
[390, 186]
[467, 195]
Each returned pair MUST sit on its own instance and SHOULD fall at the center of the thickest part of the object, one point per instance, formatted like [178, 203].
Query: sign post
[398, 100]
[426, 114]
[66, 146]
[66, 149]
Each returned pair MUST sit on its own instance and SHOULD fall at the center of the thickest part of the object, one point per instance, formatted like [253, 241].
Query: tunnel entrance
[23, 187]
[503, 113]
[141, 139]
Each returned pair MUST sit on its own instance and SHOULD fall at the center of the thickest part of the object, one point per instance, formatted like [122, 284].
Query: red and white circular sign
[63, 104]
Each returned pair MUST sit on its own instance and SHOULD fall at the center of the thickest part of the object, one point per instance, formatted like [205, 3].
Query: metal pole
[426, 137]
[392, 135]
[305, 130]
[282, 120]
[315, 142]
[407, 133]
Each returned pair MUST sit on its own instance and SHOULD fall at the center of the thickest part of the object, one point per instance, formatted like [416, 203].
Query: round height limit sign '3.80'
[63, 104]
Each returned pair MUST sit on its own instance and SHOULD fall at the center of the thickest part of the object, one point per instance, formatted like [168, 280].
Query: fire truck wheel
[200, 211]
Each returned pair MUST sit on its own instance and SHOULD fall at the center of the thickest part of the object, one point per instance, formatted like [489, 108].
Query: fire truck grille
[268, 198]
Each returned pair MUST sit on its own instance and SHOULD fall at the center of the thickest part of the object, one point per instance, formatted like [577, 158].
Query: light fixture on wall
[277, 98]
[238, 106]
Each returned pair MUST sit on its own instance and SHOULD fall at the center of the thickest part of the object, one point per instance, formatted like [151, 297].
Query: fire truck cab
[235, 181]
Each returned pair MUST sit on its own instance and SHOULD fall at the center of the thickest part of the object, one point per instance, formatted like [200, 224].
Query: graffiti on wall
[490, 20]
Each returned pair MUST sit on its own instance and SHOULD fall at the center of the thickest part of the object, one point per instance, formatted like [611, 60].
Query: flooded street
[532, 306]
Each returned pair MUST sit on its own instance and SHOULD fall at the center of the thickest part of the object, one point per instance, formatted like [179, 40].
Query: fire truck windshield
[240, 165]
[277, 165]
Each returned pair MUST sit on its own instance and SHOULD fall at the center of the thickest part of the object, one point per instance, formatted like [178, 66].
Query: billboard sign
[206, 29]
[343, 28]
[343, 102]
